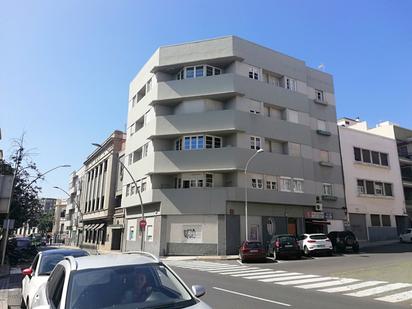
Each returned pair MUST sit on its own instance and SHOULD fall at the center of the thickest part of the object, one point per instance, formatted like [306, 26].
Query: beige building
[373, 183]
[59, 228]
[100, 199]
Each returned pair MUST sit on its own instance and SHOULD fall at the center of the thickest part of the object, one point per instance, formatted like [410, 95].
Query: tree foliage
[45, 224]
[25, 205]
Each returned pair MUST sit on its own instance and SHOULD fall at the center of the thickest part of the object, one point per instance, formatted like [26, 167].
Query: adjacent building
[59, 228]
[373, 183]
[100, 198]
[47, 204]
[197, 112]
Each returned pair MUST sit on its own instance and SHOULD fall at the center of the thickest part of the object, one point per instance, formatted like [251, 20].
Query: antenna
[321, 67]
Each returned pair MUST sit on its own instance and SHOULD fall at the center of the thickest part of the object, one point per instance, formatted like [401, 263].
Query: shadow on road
[391, 248]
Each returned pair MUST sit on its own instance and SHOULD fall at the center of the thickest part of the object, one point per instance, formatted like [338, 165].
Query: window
[144, 185]
[375, 158]
[134, 100]
[128, 190]
[145, 149]
[384, 159]
[290, 83]
[378, 188]
[137, 155]
[366, 155]
[209, 71]
[199, 71]
[257, 183]
[327, 189]
[370, 188]
[209, 180]
[298, 185]
[132, 186]
[361, 186]
[271, 185]
[357, 154]
[130, 158]
[254, 73]
[375, 220]
[388, 189]
[149, 85]
[149, 233]
[293, 116]
[55, 286]
[190, 72]
[252, 111]
[324, 156]
[322, 125]
[255, 143]
[319, 95]
[386, 220]
[132, 233]
[218, 142]
[198, 142]
[285, 184]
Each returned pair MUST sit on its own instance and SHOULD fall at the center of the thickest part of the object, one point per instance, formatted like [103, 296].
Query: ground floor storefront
[222, 234]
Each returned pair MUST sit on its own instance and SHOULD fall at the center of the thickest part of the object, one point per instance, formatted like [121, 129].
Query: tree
[25, 206]
[45, 224]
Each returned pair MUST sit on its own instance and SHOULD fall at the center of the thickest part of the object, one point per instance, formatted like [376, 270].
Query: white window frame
[297, 188]
[290, 83]
[255, 142]
[377, 189]
[255, 73]
[327, 189]
[282, 181]
[361, 189]
[319, 95]
[322, 125]
[149, 232]
[183, 72]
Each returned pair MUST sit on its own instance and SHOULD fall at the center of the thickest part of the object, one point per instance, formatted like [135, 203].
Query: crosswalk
[378, 290]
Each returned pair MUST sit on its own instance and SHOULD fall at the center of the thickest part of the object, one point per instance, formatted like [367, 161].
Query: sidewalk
[369, 244]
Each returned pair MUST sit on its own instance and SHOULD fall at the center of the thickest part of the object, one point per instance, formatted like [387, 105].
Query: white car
[311, 243]
[137, 280]
[407, 236]
[39, 271]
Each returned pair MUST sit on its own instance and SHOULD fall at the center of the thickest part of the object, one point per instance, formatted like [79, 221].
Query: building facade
[197, 112]
[373, 183]
[59, 227]
[100, 200]
[47, 204]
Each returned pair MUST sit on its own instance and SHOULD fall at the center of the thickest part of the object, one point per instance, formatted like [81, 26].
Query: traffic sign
[142, 224]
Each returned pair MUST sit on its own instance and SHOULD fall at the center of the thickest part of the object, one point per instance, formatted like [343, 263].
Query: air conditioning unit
[318, 207]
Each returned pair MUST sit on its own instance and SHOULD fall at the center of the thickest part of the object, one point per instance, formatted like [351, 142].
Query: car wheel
[306, 250]
[298, 256]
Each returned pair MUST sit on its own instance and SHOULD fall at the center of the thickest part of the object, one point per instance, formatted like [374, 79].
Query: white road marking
[280, 275]
[250, 273]
[295, 282]
[234, 268]
[254, 297]
[396, 298]
[240, 262]
[380, 289]
[328, 283]
[217, 268]
[264, 275]
[288, 278]
[353, 286]
[238, 272]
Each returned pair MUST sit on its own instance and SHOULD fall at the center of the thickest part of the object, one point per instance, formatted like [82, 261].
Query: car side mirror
[27, 272]
[198, 290]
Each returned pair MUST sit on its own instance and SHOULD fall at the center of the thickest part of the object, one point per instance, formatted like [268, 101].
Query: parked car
[285, 245]
[315, 243]
[20, 249]
[40, 269]
[116, 281]
[341, 240]
[252, 250]
[407, 236]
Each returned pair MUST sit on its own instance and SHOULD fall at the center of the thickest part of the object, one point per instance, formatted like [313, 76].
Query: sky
[65, 66]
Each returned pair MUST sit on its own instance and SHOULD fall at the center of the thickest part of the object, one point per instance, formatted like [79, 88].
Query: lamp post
[11, 197]
[247, 164]
[78, 209]
[138, 192]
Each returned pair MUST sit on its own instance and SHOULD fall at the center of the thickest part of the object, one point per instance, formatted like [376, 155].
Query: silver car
[137, 280]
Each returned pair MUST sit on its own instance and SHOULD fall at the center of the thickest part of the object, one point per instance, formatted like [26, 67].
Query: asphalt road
[383, 273]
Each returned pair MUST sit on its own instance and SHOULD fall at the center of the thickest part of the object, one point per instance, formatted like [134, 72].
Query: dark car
[284, 246]
[20, 249]
[252, 250]
[341, 240]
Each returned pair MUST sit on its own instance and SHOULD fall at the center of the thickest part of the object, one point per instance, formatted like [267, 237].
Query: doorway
[116, 239]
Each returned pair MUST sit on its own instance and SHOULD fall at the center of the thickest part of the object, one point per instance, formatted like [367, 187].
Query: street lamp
[78, 209]
[138, 192]
[247, 164]
[6, 236]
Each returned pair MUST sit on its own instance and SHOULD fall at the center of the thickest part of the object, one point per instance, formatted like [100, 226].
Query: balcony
[214, 87]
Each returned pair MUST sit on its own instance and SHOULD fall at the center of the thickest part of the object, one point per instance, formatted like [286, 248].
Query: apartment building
[47, 204]
[197, 112]
[59, 231]
[100, 199]
[373, 184]
[403, 137]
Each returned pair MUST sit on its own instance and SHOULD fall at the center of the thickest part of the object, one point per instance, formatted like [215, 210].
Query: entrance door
[358, 226]
[116, 239]
[292, 226]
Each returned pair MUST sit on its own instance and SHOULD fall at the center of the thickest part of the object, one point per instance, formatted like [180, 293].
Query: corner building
[197, 112]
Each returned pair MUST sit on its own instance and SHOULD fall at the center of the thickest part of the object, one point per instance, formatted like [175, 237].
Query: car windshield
[23, 243]
[288, 239]
[48, 261]
[253, 245]
[318, 236]
[137, 286]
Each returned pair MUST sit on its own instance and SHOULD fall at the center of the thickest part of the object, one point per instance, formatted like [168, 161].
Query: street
[375, 278]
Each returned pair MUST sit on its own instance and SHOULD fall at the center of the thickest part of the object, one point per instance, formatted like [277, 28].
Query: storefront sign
[314, 215]
[192, 233]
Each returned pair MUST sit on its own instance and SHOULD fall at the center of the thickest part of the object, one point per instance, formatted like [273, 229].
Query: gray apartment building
[197, 113]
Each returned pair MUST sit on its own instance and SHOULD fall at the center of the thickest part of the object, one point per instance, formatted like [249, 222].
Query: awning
[319, 222]
[87, 227]
[98, 226]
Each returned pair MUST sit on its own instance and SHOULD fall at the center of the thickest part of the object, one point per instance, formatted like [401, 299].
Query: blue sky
[65, 66]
